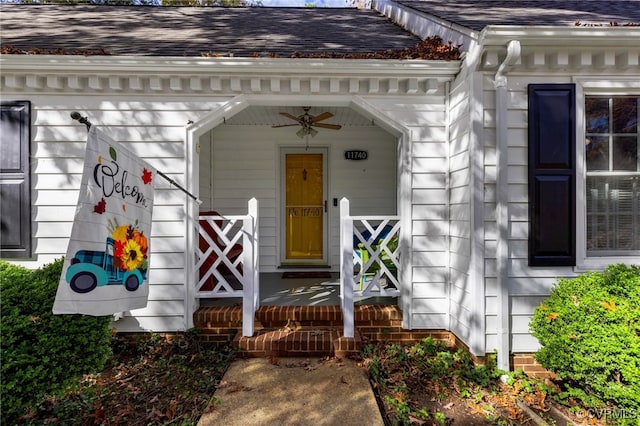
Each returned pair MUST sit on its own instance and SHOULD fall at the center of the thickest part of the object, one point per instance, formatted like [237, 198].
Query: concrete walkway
[293, 391]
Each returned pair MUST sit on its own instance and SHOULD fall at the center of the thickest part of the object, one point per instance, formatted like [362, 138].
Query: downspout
[502, 204]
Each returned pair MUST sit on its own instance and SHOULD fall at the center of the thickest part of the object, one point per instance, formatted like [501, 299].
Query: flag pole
[83, 120]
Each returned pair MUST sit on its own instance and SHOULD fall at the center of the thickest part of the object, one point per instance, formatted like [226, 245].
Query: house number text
[356, 154]
[304, 211]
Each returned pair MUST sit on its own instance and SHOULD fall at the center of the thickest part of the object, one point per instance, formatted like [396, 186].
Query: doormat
[307, 274]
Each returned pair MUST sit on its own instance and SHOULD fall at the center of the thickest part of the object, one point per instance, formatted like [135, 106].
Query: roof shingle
[477, 14]
[192, 31]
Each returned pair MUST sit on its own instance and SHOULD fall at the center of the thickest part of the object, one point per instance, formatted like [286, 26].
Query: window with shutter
[15, 187]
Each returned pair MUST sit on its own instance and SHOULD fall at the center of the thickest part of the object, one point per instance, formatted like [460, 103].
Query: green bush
[42, 353]
[589, 329]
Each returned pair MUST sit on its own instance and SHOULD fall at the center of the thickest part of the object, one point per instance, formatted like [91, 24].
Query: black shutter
[15, 186]
[552, 175]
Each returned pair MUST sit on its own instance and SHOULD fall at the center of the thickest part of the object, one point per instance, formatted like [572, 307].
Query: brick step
[297, 342]
[309, 315]
[299, 316]
[372, 323]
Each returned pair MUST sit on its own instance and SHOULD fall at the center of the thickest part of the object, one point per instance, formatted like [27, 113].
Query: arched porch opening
[237, 154]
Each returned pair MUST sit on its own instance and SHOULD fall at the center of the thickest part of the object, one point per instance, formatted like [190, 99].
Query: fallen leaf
[223, 384]
[99, 414]
[609, 306]
[238, 388]
[343, 380]
[416, 421]
[552, 316]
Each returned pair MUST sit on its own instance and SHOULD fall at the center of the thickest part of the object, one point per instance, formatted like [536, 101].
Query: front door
[304, 209]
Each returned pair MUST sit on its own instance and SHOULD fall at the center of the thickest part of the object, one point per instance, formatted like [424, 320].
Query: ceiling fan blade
[293, 117]
[321, 117]
[328, 126]
[285, 125]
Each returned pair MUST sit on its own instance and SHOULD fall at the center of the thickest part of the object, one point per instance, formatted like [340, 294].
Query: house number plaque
[356, 154]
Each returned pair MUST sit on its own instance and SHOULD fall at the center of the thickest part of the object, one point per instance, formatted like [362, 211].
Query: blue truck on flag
[90, 269]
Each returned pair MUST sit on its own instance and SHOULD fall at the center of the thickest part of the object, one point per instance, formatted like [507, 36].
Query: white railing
[369, 260]
[228, 260]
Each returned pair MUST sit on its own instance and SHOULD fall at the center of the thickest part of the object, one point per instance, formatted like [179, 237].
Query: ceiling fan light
[312, 131]
[301, 133]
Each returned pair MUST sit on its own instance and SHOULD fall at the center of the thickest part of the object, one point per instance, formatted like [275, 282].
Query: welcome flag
[107, 263]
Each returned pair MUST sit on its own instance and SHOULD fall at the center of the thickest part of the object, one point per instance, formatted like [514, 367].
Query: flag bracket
[84, 120]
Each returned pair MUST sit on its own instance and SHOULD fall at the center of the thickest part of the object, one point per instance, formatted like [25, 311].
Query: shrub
[42, 353]
[589, 329]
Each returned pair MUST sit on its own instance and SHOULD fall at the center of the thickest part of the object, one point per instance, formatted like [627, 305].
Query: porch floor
[278, 291]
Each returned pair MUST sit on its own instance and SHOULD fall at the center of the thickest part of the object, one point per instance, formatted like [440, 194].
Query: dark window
[612, 157]
[15, 187]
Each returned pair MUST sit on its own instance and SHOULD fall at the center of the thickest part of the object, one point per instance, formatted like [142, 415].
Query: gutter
[239, 67]
[425, 25]
[502, 204]
[574, 37]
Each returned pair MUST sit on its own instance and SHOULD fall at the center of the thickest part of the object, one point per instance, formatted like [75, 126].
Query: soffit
[565, 49]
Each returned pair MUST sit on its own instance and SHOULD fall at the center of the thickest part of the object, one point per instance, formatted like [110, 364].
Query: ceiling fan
[308, 122]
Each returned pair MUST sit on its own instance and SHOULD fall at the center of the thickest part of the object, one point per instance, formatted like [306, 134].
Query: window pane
[597, 153]
[613, 219]
[597, 115]
[625, 115]
[625, 153]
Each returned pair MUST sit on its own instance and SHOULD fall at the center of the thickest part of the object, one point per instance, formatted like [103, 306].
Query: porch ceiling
[270, 116]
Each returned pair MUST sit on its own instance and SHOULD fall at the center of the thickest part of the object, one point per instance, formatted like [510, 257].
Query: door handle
[325, 206]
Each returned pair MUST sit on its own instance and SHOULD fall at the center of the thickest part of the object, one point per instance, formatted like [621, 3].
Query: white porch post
[346, 268]
[253, 212]
[250, 268]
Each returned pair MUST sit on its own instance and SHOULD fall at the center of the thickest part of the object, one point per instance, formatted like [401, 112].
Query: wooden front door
[304, 206]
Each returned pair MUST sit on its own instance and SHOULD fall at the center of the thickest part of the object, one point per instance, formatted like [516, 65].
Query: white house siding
[426, 120]
[161, 108]
[243, 161]
[528, 286]
[463, 313]
[151, 127]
